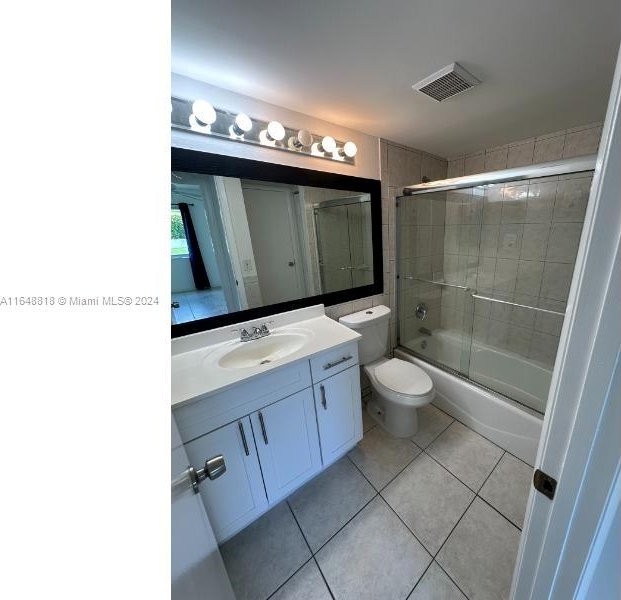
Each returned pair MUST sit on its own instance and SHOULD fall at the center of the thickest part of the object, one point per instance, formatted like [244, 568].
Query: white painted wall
[367, 159]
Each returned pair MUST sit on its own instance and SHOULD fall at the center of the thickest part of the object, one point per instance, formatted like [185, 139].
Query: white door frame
[579, 446]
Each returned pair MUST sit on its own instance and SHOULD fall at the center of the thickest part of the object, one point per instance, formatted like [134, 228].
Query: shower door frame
[579, 164]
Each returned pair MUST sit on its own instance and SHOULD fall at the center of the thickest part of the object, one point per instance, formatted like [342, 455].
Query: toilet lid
[403, 377]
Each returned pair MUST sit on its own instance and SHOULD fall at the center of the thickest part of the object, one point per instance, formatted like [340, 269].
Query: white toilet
[399, 387]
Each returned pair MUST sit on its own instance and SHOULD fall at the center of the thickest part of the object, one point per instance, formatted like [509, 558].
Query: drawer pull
[337, 362]
[324, 402]
[243, 437]
[263, 430]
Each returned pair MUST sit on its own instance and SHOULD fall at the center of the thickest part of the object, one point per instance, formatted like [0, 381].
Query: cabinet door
[339, 413]
[237, 497]
[288, 445]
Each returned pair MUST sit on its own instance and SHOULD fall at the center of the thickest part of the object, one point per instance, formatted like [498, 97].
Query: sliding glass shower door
[484, 274]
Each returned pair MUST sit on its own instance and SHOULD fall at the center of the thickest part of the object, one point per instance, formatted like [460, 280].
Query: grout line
[454, 582]
[476, 495]
[375, 495]
[393, 510]
[310, 550]
[289, 578]
[501, 514]
[419, 579]
[323, 577]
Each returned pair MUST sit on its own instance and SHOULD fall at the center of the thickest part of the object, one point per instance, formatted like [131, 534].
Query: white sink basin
[265, 350]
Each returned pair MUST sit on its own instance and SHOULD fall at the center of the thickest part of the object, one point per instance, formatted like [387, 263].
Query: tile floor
[199, 304]
[435, 517]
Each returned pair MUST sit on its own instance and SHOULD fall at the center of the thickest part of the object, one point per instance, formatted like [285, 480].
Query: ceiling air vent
[449, 81]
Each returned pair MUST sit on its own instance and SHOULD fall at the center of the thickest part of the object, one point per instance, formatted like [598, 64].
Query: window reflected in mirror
[238, 244]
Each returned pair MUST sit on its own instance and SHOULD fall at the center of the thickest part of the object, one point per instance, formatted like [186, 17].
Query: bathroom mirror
[250, 239]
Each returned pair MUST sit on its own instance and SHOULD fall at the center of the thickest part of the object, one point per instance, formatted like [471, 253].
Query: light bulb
[349, 149]
[241, 125]
[327, 145]
[303, 139]
[275, 131]
[203, 112]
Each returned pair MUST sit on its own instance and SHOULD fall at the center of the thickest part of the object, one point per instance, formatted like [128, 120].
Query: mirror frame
[193, 161]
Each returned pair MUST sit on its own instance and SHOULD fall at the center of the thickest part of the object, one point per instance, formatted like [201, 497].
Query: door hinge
[544, 483]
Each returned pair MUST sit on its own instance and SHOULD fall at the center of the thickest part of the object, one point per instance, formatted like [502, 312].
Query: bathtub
[510, 425]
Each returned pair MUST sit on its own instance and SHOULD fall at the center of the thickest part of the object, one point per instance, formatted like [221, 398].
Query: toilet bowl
[397, 391]
[399, 388]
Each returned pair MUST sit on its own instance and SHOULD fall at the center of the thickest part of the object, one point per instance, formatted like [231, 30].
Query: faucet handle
[244, 335]
[264, 330]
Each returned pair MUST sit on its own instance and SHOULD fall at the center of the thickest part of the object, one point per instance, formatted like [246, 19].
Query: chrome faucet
[257, 332]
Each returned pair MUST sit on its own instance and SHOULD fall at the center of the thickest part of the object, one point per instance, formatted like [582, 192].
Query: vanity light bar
[199, 116]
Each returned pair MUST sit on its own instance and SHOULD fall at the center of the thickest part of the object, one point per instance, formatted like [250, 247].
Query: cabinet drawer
[334, 361]
[201, 416]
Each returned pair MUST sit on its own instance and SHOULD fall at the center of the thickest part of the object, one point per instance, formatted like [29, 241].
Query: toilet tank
[372, 324]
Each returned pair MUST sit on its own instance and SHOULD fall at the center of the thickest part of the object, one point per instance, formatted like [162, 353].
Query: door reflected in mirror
[238, 244]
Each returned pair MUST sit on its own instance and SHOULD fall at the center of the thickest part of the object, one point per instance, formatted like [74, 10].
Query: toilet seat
[401, 381]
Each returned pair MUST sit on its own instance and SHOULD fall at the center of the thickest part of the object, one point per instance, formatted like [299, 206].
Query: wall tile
[556, 280]
[563, 242]
[510, 240]
[485, 273]
[455, 168]
[513, 204]
[474, 163]
[433, 168]
[548, 323]
[571, 199]
[582, 142]
[505, 275]
[535, 241]
[454, 208]
[489, 240]
[521, 154]
[519, 340]
[472, 208]
[540, 203]
[492, 205]
[548, 148]
[529, 277]
[496, 159]
[543, 348]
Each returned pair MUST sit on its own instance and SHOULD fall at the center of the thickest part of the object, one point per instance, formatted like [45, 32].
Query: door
[339, 413]
[333, 247]
[286, 435]
[196, 564]
[561, 546]
[238, 496]
[274, 242]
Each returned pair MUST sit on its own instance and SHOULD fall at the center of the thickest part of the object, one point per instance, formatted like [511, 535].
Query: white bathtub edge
[512, 428]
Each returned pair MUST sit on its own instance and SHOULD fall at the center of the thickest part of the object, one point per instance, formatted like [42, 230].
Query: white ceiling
[545, 64]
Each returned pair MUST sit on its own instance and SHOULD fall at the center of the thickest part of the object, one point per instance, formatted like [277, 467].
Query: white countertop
[196, 372]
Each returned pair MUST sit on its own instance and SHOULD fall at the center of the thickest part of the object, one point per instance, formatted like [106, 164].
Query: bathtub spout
[424, 331]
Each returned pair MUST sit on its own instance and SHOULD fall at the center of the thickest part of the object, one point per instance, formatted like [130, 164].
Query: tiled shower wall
[400, 166]
[516, 242]
[550, 146]
[519, 242]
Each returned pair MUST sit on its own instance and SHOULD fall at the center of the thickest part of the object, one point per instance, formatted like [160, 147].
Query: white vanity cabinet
[237, 496]
[287, 442]
[339, 413]
[274, 432]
